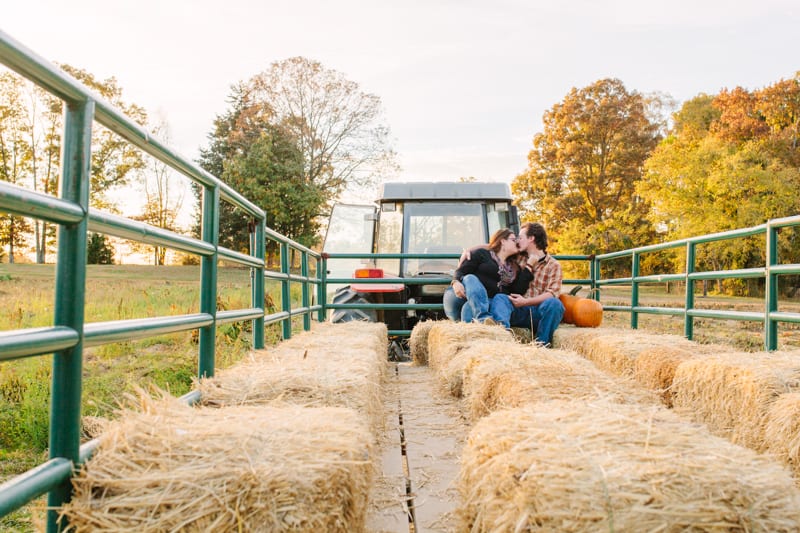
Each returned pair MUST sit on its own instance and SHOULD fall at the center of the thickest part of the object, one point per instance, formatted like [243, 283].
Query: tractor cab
[412, 217]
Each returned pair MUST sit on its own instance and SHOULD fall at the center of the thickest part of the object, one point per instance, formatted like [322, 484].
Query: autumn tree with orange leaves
[584, 166]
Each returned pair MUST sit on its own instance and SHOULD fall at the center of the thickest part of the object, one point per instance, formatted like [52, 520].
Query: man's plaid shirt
[547, 277]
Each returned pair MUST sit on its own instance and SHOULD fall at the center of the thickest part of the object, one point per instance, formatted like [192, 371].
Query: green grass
[742, 335]
[110, 371]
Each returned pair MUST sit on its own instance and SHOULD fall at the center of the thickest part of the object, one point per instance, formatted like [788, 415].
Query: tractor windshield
[441, 228]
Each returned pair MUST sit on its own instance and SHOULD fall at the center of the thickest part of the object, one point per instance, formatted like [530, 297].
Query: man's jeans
[543, 318]
[477, 305]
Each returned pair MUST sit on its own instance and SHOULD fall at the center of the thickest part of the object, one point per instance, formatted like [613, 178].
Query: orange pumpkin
[587, 313]
[568, 300]
[583, 312]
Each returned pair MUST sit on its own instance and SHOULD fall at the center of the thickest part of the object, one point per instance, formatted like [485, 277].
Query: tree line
[293, 139]
[31, 127]
[613, 169]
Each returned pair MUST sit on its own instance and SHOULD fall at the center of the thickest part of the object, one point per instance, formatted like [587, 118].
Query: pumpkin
[583, 312]
[587, 313]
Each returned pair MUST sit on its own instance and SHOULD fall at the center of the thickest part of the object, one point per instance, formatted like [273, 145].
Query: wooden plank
[435, 431]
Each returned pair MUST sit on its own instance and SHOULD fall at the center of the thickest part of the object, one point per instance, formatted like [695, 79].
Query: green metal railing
[770, 272]
[69, 335]
[436, 306]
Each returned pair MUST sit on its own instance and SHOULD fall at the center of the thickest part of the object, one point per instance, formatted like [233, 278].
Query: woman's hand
[458, 288]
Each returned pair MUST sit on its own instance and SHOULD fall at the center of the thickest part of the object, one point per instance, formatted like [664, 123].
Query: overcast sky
[464, 83]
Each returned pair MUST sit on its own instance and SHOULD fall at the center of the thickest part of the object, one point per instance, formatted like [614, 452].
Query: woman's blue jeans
[543, 318]
[476, 306]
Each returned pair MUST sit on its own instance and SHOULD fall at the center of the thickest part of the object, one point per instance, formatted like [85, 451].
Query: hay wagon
[611, 430]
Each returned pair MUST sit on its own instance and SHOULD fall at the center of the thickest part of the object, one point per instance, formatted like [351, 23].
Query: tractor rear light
[369, 273]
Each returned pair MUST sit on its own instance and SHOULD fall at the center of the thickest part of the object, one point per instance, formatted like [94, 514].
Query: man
[539, 308]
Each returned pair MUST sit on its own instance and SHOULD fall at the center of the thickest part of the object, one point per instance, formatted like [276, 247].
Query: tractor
[411, 218]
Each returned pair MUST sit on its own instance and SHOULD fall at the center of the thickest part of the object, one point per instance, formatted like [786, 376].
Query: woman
[481, 276]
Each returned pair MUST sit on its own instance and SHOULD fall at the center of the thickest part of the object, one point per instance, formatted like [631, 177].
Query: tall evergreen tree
[263, 162]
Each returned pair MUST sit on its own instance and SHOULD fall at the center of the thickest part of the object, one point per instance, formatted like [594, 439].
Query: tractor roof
[442, 190]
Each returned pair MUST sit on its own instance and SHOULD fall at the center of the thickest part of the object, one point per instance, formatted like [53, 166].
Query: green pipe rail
[373, 258]
[69, 335]
[770, 272]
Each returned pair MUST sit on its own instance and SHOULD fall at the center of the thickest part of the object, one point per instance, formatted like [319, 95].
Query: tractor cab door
[351, 229]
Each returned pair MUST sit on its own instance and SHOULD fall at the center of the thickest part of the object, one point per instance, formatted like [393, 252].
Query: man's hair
[536, 230]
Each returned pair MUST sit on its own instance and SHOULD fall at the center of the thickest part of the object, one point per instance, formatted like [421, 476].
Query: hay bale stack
[447, 338]
[655, 367]
[330, 367]
[569, 337]
[448, 353]
[340, 337]
[597, 466]
[501, 376]
[418, 342]
[175, 468]
[732, 393]
[616, 350]
[782, 431]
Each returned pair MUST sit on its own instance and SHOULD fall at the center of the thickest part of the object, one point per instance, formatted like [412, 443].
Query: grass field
[113, 293]
[743, 335]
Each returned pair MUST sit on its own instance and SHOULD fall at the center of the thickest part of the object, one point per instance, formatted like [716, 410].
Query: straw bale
[340, 336]
[446, 344]
[732, 393]
[175, 468]
[318, 373]
[616, 350]
[447, 338]
[519, 375]
[418, 342]
[655, 367]
[569, 337]
[782, 431]
[597, 466]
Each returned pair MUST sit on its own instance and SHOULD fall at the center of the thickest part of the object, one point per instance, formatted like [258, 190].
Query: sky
[464, 83]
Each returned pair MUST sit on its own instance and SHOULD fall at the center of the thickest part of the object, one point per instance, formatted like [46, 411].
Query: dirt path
[421, 448]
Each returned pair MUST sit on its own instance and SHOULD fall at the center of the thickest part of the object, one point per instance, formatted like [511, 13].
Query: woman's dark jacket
[487, 270]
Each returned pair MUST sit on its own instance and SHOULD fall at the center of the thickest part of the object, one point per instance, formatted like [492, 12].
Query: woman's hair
[497, 239]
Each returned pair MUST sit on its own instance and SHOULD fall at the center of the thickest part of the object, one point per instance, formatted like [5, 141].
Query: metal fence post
[259, 250]
[306, 294]
[70, 298]
[634, 290]
[771, 290]
[688, 320]
[208, 281]
[286, 297]
[322, 288]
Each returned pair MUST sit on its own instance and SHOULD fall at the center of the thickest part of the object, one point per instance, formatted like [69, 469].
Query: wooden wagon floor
[421, 447]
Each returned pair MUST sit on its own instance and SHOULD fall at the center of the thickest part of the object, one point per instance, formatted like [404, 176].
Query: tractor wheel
[345, 295]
